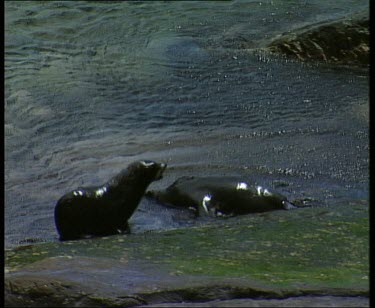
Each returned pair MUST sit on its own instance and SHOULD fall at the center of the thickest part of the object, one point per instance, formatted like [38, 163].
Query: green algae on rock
[313, 251]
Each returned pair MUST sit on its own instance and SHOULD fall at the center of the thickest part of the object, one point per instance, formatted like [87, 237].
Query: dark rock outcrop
[344, 41]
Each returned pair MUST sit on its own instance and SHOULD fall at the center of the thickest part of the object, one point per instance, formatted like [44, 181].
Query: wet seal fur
[105, 210]
[215, 196]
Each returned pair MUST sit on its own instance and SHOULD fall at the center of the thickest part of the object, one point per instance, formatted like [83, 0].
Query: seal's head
[146, 170]
[155, 168]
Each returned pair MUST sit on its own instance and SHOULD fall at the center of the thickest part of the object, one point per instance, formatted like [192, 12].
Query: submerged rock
[344, 41]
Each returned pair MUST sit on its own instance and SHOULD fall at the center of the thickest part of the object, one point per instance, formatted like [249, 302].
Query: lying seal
[105, 210]
[220, 197]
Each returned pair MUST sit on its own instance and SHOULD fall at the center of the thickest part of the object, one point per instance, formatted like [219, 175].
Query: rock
[299, 301]
[284, 257]
[344, 41]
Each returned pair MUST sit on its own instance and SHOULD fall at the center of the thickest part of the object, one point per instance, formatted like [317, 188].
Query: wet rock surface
[343, 41]
[299, 301]
[311, 257]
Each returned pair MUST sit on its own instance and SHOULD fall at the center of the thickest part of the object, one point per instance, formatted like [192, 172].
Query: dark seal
[222, 196]
[105, 210]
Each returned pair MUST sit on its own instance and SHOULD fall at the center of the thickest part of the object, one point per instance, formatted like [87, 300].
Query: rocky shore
[307, 257]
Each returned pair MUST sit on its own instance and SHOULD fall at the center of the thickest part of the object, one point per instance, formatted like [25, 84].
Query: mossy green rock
[309, 251]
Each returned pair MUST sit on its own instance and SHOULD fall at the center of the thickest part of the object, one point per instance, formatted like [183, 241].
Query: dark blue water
[93, 86]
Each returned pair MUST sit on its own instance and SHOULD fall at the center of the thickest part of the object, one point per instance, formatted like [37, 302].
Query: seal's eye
[147, 163]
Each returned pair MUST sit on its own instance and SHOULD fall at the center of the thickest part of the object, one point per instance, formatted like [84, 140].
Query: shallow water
[91, 87]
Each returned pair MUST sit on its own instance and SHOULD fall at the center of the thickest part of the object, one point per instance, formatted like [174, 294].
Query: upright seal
[220, 196]
[105, 210]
